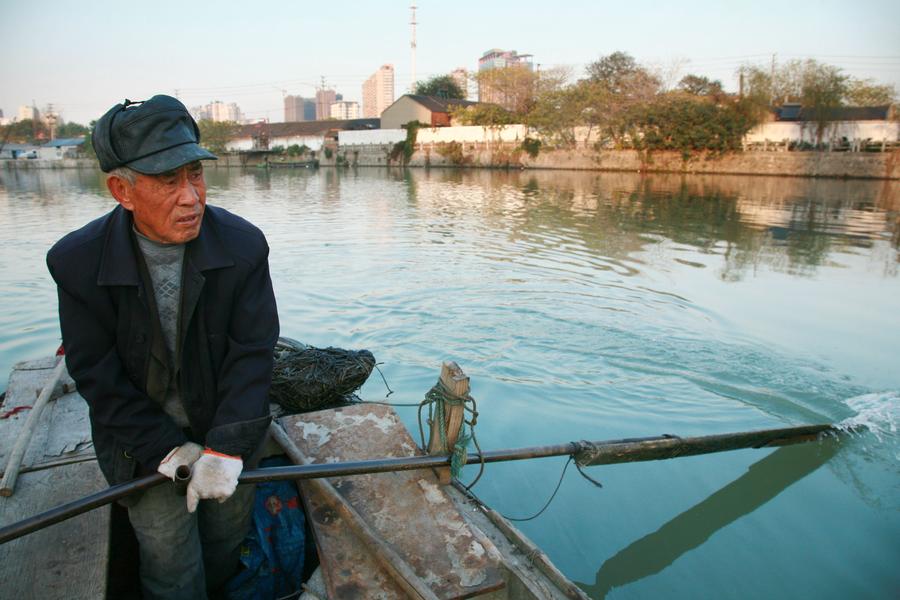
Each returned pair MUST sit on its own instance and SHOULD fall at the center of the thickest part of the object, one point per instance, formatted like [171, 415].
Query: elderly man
[169, 323]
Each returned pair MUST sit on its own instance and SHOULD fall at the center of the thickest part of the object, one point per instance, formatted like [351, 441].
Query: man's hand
[215, 475]
[184, 455]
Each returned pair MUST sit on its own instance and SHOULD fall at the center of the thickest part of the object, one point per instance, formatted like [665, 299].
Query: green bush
[297, 149]
[328, 153]
[532, 146]
[453, 152]
[689, 124]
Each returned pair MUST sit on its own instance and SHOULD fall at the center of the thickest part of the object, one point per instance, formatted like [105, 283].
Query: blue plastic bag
[273, 552]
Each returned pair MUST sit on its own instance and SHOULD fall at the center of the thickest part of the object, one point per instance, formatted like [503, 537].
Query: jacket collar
[118, 265]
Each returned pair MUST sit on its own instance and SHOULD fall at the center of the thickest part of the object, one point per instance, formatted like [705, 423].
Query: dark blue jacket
[227, 333]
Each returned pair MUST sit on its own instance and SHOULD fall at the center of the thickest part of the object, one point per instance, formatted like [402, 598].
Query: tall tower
[412, 45]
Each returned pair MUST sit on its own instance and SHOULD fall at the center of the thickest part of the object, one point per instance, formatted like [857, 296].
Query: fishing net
[306, 378]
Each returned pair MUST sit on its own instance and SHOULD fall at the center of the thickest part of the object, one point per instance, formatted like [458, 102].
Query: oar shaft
[604, 452]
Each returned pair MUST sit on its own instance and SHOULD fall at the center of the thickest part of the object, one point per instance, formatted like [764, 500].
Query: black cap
[152, 136]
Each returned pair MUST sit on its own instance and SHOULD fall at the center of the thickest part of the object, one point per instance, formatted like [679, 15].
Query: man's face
[168, 207]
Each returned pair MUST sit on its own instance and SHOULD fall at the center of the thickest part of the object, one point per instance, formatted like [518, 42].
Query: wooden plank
[66, 560]
[398, 568]
[69, 559]
[408, 509]
[23, 440]
[64, 427]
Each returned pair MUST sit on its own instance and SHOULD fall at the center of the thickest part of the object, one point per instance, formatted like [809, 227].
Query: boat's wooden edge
[529, 572]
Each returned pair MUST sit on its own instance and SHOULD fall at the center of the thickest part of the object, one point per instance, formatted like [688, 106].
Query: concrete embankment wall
[485, 154]
[62, 163]
[804, 164]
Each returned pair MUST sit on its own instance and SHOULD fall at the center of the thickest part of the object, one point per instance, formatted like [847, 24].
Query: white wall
[437, 135]
[371, 136]
[778, 131]
[239, 144]
[472, 133]
[313, 142]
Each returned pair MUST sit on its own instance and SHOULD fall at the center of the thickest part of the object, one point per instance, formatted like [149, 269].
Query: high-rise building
[378, 92]
[309, 109]
[461, 77]
[496, 58]
[293, 109]
[324, 100]
[29, 112]
[344, 110]
[217, 111]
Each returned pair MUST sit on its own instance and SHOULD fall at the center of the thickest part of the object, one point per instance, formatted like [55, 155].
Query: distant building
[378, 91]
[218, 111]
[61, 148]
[324, 100]
[496, 58]
[297, 108]
[431, 110]
[344, 110]
[293, 109]
[461, 77]
[19, 151]
[312, 134]
[852, 128]
[29, 112]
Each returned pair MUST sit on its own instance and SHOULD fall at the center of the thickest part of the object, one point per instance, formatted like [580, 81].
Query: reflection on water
[588, 306]
[763, 481]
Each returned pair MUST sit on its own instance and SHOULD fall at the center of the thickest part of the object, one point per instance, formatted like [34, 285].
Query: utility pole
[412, 45]
[51, 120]
[772, 81]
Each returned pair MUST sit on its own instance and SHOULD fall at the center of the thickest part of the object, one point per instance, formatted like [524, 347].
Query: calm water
[593, 306]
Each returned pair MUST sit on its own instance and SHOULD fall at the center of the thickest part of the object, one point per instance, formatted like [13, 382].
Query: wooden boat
[389, 535]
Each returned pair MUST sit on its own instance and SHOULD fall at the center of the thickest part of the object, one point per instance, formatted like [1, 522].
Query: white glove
[215, 475]
[184, 455]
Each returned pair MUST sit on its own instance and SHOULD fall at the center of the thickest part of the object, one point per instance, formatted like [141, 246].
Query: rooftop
[435, 104]
[796, 112]
[304, 128]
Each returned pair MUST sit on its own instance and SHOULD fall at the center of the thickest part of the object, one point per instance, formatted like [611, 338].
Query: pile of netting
[305, 378]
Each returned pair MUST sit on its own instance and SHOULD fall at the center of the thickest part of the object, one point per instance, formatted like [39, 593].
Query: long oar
[8, 484]
[586, 453]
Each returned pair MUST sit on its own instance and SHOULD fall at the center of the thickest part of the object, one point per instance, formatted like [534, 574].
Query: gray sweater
[165, 262]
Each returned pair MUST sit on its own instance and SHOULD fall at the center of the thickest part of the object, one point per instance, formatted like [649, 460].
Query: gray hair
[126, 173]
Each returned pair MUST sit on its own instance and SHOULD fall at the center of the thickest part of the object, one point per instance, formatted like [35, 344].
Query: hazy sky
[86, 56]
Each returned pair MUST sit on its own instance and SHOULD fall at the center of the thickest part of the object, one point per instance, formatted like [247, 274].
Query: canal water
[593, 306]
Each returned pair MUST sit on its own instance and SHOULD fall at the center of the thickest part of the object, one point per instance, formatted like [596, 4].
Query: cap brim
[169, 159]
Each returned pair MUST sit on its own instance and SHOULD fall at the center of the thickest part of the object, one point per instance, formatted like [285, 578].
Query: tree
[823, 89]
[27, 131]
[611, 70]
[512, 87]
[442, 86]
[699, 85]
[214, 135]
[865, 92]
[689, 123]
[818, 87]
[71, 130]
[484, 114]
[558, 111]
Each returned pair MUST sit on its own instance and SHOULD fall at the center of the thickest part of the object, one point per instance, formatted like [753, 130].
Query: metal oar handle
[182, 478]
